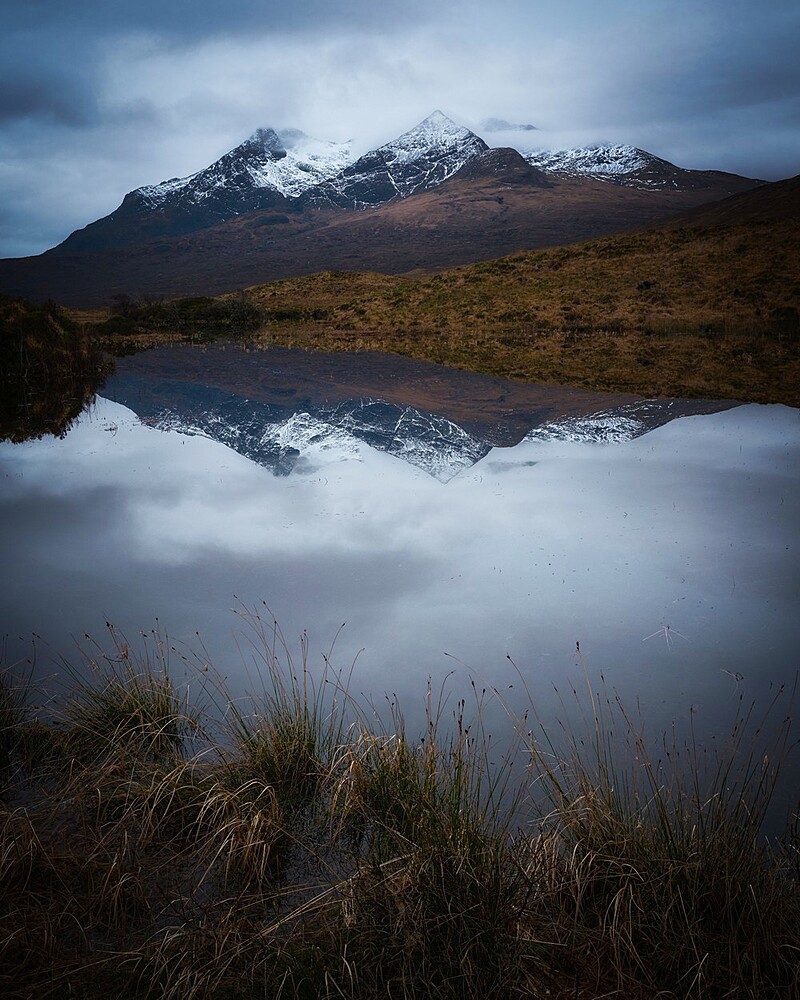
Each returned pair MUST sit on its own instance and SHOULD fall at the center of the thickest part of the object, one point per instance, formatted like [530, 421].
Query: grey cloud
[193, 19]
[53, 99]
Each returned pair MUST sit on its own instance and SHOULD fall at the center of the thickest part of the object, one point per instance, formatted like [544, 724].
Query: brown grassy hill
[496, 206]
[679, 310]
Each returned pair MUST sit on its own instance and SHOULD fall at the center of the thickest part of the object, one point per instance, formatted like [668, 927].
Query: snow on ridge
[599, 160]
[304, 432]
[437, 133]
[437, 129]
[436, 147]
[155, 194]
[291, 163]
[428, 442]
[287, 161]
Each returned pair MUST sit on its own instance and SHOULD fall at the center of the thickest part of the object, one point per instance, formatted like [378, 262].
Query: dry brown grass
[684, 312]
[707, 311]
[378, 863]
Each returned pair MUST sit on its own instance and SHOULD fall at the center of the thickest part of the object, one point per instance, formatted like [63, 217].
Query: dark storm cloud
[741, 64]
[51, 97]
[51, 51]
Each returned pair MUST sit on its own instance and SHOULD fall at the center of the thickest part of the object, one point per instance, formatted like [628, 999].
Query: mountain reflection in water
[689, 532]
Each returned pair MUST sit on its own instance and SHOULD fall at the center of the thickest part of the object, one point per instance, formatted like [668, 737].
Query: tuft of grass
[125, 707]
[433, 905]
[288, 735]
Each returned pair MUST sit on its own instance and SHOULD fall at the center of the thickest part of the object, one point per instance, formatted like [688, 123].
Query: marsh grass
[660, 873]
[123, 704]
[288, 734]
[13, 691]
[310, 846]
[433, 905]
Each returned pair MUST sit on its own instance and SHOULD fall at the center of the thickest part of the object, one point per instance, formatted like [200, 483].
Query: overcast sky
[100, 96]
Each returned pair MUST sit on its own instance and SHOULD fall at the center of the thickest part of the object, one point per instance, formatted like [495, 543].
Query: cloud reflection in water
[693, 526]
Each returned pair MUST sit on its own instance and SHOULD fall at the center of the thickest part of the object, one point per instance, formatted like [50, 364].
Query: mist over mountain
[501, 125]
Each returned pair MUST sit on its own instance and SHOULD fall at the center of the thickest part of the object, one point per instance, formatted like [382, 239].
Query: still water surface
[672, 559]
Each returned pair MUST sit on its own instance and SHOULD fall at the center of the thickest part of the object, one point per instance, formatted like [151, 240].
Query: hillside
[680, 310]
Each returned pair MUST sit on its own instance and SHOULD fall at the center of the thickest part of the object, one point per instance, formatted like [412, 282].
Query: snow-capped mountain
[287, 161]
[284, 170]
[417, 160]
[625, 165]
[282, 173]
[269, 170]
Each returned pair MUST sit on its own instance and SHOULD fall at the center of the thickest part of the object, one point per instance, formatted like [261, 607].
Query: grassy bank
[50, 367]
[293, 846]
[701, 312]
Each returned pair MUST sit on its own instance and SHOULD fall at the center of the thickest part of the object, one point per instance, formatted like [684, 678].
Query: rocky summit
[417, 160]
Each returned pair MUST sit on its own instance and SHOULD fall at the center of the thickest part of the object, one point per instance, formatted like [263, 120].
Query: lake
[665, 563]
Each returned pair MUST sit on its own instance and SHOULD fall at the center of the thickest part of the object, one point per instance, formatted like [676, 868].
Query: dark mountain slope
[777, 202]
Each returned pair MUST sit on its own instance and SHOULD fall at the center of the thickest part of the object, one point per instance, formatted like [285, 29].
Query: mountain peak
[439, 120]
[420, 158]
[264, 138]
[432, 130]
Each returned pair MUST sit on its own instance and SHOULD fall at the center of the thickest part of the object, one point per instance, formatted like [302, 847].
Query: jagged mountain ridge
[285, 172]
[287, 161]
[625, 165]
[178, 238]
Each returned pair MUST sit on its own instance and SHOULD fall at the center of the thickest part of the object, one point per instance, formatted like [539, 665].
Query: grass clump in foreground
[301, 847]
